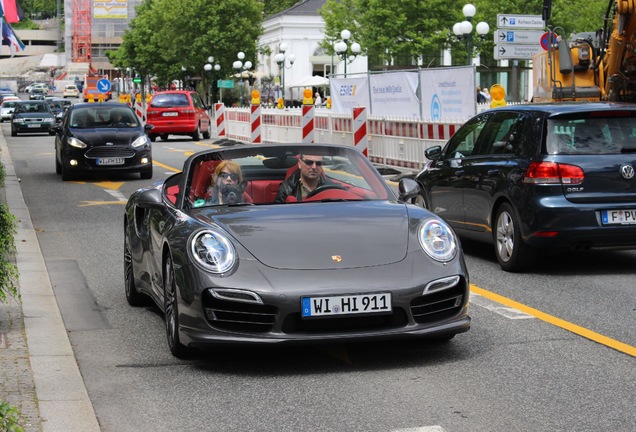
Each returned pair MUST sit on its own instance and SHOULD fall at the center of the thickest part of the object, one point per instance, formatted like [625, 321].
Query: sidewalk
[38, 371]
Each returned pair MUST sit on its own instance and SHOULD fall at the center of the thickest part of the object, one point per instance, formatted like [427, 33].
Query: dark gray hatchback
[532, 177]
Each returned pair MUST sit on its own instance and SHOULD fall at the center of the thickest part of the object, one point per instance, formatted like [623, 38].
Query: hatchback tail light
[188, 111]
[553, 173]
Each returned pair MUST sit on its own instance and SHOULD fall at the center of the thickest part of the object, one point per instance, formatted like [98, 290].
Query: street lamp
[280, 60]
[183, 71]
[342, 49]
[240, 67]
[208, 67]
[464, 29]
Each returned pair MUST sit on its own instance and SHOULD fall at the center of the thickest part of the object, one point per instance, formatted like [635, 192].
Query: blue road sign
[103, 85]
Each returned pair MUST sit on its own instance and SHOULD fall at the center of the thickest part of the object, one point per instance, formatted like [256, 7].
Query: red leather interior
[201, 178]
[172, 193]
[262, 191]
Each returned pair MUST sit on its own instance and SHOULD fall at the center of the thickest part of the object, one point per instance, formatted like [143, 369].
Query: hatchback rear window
[596, 135]
[170, 100]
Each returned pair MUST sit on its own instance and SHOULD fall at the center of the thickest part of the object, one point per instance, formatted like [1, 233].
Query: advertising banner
[448, 93]
[395, 94]
[110, 9]
[348, 93]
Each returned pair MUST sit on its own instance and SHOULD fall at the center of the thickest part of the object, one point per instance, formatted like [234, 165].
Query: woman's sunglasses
[232, 176]
[310, 162]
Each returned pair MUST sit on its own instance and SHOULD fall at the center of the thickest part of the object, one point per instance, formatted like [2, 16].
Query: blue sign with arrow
[103, 85]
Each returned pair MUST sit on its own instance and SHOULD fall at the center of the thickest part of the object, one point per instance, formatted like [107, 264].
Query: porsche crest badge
[336, 258]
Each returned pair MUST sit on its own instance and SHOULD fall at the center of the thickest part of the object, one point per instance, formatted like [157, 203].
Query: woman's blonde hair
[231, 166]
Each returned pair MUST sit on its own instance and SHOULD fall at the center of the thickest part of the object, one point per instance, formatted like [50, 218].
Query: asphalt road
[524, 366]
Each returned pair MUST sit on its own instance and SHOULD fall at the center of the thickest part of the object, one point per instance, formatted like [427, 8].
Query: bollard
[255, 118]
[360, 129]
[219, 110]
[308, 117]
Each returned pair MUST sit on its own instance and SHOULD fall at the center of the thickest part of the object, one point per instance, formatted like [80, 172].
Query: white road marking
[492, 306]
[421, 429]
[116, 194]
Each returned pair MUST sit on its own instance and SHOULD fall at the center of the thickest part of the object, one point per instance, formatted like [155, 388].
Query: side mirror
[433, 153]
[408, 188]
[148, 127]
[150, 199]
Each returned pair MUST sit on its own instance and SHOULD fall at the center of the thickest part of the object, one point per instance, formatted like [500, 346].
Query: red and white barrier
[360, 129]
[308, 124]
[140, 111]
[255, 120]
[219, 109]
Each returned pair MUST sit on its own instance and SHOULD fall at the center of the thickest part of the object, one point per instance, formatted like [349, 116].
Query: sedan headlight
[18, 120]
[212, 251]
[76, 143]
[142, 140]
[438, 240]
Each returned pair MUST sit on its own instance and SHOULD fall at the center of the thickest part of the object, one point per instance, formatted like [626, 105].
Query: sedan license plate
[170, 114]
[110, 161]
[619, 217]
[34, 125]
[346, 305]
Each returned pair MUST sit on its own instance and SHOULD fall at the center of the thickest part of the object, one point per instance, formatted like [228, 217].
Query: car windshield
[610, 134]
[103, 116]
[253, 177]
[32, 108]
[8, 104]
[170, 100]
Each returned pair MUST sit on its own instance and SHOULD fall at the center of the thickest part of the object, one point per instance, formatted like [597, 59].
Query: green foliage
[8, 270]
[9, 418]
[198, 29]
[410, 31]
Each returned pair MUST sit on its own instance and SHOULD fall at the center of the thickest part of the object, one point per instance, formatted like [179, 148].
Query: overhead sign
[520, 21]
[518, 52]
[103, 85]
[518, 36]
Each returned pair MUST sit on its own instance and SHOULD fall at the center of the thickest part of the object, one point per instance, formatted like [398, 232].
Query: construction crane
[82, 30]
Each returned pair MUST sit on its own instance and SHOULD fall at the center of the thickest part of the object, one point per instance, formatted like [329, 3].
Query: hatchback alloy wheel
[512, 253]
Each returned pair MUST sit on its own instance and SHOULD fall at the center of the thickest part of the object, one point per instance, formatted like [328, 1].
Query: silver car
[6, 109]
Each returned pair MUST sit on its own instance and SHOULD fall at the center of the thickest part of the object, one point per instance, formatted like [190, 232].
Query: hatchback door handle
[493, 172]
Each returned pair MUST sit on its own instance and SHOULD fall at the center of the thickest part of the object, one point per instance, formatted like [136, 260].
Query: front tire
[171, 308]
[134, 297]
[207, 134]
[146, 174]
[197, 134]
[512, 253]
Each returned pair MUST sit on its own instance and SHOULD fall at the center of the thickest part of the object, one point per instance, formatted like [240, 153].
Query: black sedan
[533, 178]
[229, 261]
[32, 117]
[102, 137]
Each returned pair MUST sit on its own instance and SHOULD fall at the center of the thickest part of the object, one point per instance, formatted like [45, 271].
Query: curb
[63, 401]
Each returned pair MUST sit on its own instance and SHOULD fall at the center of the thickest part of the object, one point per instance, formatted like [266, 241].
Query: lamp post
[464, 29]
[240, 67]
[346, 53]
[183, 71]
[208, 67]
[280, 59]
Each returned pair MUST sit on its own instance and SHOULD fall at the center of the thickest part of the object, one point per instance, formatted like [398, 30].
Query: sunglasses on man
[310, 162]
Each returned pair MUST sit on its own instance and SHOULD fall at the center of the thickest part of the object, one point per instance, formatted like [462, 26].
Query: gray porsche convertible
[291, 244]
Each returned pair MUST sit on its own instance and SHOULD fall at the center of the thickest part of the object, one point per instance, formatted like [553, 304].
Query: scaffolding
[82, 30]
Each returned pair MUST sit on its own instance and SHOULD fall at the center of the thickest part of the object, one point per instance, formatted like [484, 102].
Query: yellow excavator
[590, 66]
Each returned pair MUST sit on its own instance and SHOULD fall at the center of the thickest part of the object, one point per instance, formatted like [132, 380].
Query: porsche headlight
[142, 140]
[76, 143]
[212, 251]
[438, 240]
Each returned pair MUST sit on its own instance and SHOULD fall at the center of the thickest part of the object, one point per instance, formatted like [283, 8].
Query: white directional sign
[520, 21]
[519, 52]
[503, 36]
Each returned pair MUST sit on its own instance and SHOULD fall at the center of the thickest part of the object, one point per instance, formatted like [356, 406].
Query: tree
[197, 29]
[409, 32]
[271, 7]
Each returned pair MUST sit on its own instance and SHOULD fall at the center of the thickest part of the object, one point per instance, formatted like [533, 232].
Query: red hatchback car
[178, 112]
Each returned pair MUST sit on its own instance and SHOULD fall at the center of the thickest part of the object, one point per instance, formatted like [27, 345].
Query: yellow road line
[154, 162]
[581, 331]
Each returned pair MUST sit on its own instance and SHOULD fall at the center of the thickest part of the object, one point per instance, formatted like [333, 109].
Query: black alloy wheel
[171, 308]
[134, 297]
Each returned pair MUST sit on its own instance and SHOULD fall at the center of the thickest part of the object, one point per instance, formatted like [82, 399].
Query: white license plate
[346, 305]
[110, 161]
[170, 114]
[34, 125]
[619, 217]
